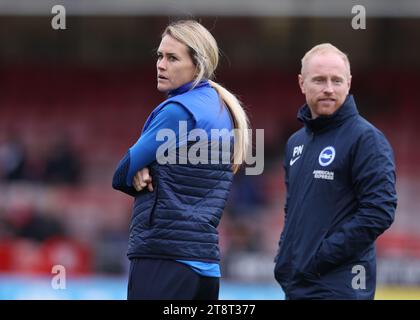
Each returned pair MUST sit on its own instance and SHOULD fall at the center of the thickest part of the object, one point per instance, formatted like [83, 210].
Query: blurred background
[73, 101]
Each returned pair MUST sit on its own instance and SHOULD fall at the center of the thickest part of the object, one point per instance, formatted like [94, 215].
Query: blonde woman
[173, 242]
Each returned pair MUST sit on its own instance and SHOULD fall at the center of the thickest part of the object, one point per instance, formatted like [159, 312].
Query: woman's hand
[142, 179]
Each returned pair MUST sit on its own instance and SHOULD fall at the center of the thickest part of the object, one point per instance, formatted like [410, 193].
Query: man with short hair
[340, 180]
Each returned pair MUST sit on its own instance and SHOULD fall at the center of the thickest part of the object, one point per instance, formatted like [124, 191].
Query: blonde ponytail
[205, 55]
[241, 123]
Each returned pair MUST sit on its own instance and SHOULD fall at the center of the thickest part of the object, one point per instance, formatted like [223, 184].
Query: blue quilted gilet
[179, 219]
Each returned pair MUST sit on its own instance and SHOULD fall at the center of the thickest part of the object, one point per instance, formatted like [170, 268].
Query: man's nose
[328, 87]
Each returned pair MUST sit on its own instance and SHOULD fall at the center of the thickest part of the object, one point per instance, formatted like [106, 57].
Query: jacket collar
[347, 109]
[186, 87]
[182, 89]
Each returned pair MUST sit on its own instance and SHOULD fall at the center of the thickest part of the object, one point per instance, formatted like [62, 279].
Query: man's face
[174, 65]
[325, 82]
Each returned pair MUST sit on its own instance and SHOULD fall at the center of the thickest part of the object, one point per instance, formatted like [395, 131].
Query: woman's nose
[161, 64]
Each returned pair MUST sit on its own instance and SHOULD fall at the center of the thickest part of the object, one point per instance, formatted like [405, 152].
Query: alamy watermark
[59, 20]
[58, 281]
[359, 280]
[201, 147]
[359, 20]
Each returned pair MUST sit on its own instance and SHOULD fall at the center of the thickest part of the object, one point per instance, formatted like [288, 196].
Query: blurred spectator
[110, 252]
[40, 227]
[6, 231]
[247, 195]
[12, 158]
[25, 222]
[62, 165]
[275, 142]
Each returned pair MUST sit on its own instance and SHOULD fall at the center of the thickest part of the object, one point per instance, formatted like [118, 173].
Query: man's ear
[349, 82]
[300, 80]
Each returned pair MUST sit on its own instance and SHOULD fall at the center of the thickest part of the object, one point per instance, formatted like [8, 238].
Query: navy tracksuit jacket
[340, 178]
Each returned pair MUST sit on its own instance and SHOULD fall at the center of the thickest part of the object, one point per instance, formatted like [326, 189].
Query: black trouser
[169, 280]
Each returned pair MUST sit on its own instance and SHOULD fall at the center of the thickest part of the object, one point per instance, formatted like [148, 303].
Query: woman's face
[174, 65]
